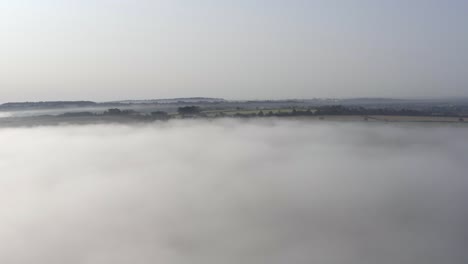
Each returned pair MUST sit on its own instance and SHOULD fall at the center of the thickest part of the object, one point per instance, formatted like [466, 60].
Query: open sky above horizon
[244, 49]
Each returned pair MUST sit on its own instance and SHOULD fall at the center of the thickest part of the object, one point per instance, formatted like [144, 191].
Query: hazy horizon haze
[111, 50]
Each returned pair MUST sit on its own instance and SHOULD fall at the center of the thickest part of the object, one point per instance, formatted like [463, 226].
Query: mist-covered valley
[234, 191]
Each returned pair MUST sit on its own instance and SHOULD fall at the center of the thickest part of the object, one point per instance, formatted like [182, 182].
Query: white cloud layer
[234, 192]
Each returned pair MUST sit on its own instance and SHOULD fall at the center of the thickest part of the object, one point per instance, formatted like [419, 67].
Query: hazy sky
[134, 49]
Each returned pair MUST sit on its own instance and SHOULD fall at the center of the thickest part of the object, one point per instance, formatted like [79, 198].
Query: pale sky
[243, 49]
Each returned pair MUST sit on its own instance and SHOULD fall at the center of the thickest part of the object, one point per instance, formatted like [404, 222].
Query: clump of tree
[189, 111]
[160, 115]
[113, 111]
[279, 113]
[118, 112]
[77, 114]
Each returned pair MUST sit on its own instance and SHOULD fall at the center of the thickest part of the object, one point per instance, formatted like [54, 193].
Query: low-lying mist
[234, 192]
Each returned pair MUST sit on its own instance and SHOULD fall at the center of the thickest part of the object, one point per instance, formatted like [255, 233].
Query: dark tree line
[195, 111]
[189, 111]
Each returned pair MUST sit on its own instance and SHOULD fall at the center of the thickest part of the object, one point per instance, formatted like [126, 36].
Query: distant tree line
[197, 112]
[343, 110]
[189, 111]
[118, 112]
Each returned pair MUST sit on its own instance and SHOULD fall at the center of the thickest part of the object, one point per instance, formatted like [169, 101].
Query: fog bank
[227, 191]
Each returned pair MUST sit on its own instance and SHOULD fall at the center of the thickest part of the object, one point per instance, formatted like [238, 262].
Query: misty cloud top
[229, 191]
